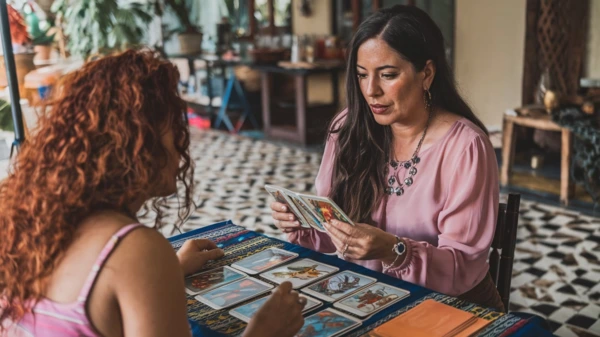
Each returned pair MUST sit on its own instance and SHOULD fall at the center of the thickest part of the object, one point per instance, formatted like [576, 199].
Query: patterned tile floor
[557, 259]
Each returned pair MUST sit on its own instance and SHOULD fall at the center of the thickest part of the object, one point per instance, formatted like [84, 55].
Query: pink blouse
[448, 215]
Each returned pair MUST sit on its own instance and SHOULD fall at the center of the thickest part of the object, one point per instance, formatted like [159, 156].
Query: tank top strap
[104, 254]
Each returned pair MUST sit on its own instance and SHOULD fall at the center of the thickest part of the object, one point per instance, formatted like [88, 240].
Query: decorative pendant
[416, 160]
[399, 191]
[413, 171]
[392, 180]
[389, 190]
[407, 164]
[394, 164]
[408, 181]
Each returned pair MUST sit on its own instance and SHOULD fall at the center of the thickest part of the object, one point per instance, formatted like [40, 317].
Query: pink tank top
[51, 319]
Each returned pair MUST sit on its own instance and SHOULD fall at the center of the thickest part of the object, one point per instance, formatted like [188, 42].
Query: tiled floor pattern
[557, 267]
[557, 259]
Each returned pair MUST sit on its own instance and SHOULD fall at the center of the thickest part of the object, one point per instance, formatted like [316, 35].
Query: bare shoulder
[144, 250]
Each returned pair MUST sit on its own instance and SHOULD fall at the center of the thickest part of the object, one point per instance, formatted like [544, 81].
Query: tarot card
[325, 209]
[205, 281]
[299, 273]
[277, 193]
[310, 217]
[311, 303]
[371, 300]
[339, 285]
[246, 312]
[264, 260]
[327, 323]
[234, 293]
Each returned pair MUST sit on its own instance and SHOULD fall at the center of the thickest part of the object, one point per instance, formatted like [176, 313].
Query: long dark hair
[358, 184]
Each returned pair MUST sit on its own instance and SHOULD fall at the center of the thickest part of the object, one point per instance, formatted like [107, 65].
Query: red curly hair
[97, 146]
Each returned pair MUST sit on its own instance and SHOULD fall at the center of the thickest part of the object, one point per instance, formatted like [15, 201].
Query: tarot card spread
[264, 260]
[338, 286]
[371, 300]
[299, 273]
[233, 293]
[211, 279]
[327, 323]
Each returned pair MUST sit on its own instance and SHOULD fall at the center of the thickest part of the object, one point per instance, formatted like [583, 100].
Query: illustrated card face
[311, 303]
[338, 285]
[325, 209]
[327, 323]
[246, 311]
[371, 299]
[312, 220]
[279, 196]
[264, 260]
[211, 279]
[299, 273]
[233, 293]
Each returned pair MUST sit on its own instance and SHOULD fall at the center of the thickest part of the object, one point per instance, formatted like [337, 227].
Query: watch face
[400, 248]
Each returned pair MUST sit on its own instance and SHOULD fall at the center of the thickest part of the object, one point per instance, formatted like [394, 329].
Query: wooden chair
[503, 246]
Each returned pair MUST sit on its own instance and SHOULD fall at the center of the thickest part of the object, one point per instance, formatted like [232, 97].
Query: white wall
[489, 51]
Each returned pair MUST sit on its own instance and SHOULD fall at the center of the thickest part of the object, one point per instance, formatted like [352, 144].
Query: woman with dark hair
[74, 261]
[409, 161]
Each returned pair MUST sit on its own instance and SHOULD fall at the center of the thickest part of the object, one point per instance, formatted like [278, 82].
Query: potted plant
[189, 35]
[6, 123]
[22, 49]
[101, 26]
[41, 31]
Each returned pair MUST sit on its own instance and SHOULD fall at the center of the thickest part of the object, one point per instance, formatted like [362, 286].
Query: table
[232, 84]
[540, 122]
[238, 242]
[299, 133]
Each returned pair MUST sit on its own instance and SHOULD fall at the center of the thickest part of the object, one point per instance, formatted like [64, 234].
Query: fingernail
[326, 224]
[291, 217]
[283, 208]
[333, 222]
[296, 223]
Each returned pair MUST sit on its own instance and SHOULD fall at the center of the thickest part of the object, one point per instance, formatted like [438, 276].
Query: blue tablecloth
[239, 242]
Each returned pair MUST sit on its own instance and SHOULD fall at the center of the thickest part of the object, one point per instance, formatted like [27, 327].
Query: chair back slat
[497, 243]
[508, 247]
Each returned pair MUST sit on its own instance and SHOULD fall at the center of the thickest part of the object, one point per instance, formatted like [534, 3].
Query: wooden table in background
[540, 122]
[299, 133]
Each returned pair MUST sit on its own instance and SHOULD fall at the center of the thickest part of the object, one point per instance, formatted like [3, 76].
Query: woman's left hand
[361, 242]
[194, 254]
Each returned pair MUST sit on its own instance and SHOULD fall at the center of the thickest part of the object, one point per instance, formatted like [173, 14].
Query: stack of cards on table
[310, 210]
[350, 292]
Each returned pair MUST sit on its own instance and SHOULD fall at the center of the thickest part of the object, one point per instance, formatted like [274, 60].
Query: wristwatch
[399, 248]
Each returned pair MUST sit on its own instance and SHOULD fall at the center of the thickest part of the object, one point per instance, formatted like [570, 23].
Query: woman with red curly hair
[73, 260]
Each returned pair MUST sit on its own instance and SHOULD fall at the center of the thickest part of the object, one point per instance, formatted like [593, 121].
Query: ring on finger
[345, 249]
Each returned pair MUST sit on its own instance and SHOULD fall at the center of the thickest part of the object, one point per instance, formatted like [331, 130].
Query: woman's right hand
[284, 219]
[280, 316]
